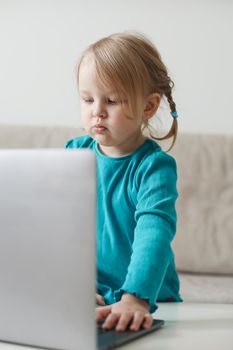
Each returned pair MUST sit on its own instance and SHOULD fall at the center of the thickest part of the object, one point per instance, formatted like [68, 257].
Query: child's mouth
[99, 128]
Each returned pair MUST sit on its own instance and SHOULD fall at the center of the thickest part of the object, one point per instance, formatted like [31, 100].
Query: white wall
[40, 41]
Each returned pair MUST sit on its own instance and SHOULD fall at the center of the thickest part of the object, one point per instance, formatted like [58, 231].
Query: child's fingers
[102, 312]
[148, 320]
[124, 321]
[100, 300]
[137, 321]
[111, 321]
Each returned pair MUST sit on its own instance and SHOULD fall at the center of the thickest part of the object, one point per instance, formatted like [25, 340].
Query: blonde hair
[130, 63]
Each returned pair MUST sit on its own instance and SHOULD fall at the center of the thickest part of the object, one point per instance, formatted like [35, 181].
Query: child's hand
[100, 300]
[129, 311]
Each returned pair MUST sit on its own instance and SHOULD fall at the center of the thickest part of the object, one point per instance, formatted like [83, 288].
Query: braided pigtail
[174, 127]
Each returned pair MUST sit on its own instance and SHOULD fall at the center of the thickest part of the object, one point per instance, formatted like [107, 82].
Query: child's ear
[152, 104]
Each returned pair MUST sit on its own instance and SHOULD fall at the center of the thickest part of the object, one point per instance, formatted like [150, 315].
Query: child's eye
[111, 101]
[87, 100]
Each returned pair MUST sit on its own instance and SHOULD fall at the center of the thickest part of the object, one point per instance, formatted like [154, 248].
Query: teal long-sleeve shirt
[136, 222]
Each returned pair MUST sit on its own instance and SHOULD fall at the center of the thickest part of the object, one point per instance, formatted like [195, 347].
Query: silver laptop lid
[47, 248]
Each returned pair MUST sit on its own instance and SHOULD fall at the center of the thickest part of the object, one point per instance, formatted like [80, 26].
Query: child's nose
[99, 111]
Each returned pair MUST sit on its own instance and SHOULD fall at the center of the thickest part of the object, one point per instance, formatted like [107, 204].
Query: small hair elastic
[174, 114]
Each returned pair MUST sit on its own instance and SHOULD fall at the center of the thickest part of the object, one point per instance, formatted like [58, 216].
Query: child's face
[103, 117]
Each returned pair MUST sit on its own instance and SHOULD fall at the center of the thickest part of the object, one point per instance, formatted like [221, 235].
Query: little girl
[121, 80]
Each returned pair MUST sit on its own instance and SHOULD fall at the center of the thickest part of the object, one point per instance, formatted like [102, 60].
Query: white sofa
[204, 241]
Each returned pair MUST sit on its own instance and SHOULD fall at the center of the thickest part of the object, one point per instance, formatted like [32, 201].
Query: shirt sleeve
[155, 218]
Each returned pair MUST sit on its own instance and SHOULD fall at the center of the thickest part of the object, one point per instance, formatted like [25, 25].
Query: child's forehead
[87, 66]
[90, 87]
[89, 80]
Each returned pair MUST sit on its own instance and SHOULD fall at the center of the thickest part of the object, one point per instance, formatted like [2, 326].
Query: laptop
[47, 251]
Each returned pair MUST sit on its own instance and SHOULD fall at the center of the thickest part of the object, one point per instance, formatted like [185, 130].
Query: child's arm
[155, 218]
[129, 311]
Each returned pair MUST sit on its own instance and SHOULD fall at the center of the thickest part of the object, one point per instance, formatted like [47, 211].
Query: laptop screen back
[47, 248]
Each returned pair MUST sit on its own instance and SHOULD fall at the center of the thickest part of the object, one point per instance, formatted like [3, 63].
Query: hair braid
[174, 128]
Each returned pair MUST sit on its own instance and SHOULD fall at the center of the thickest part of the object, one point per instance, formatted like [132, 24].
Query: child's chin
[101, 139]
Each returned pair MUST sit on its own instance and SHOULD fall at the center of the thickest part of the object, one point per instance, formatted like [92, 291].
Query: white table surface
[190, 326]
[187, 326]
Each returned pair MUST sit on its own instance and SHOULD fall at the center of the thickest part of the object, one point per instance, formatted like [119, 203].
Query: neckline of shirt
[122, 158]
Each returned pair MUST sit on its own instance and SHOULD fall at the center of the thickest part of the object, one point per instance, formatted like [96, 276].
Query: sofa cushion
[204, 240]
[206, 288]
[36, 136]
